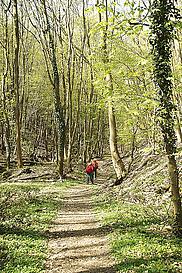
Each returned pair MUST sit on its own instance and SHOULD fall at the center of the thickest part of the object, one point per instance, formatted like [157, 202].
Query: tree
[56, 94]
[6, 125]
[162, 28]
[116, 159]
[16, 85]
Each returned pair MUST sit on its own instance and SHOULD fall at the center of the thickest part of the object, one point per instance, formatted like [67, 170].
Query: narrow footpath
[77, 242]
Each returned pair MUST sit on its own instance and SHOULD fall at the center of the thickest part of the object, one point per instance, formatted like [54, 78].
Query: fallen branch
[34, 177]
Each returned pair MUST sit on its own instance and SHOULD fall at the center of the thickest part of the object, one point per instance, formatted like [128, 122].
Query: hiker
[95, 165]
[90, 172]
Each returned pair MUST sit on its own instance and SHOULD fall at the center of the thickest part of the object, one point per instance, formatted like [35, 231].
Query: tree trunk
[161, 40]
[116, 159]
[6, 125]
[70, 90]
[3, 147]
[57, 100]
[16, 86]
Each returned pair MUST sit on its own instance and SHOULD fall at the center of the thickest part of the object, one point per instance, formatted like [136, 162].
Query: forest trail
[77, 242]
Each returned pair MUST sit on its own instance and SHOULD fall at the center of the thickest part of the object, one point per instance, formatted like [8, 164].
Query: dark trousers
[90, 177]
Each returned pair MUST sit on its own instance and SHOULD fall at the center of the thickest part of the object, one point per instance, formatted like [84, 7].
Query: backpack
[89, 169]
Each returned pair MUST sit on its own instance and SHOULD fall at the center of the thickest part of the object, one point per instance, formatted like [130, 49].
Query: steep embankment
[139, 213]
[147, 182]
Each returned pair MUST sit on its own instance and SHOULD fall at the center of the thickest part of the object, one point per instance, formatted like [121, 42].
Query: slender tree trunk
[116, 159]
[6, 125]
[16, 86]
[84, 130]
[63, 72]
[3, 147]
[70, 90]
[57, 100]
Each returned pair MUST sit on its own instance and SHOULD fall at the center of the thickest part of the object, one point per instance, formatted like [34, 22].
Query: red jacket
[89, 169]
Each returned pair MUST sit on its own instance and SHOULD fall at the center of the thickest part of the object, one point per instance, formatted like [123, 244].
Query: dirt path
[77, 242]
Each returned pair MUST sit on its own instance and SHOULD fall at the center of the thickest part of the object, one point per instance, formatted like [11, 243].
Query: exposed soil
[78, 243]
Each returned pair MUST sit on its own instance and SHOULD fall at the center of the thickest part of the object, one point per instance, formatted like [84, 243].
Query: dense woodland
[83, 79]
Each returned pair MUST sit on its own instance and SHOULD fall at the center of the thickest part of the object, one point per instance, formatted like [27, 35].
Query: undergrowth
[139, 242]
[26, 212]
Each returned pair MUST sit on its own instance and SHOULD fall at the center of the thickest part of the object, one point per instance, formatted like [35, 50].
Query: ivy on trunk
[163, 16]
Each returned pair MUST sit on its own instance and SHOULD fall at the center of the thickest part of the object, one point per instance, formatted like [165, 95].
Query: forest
[85, 79]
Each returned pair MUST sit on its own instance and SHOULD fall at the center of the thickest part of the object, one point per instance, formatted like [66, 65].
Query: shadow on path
[77, 241]
[109, 269]
[99, 231]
